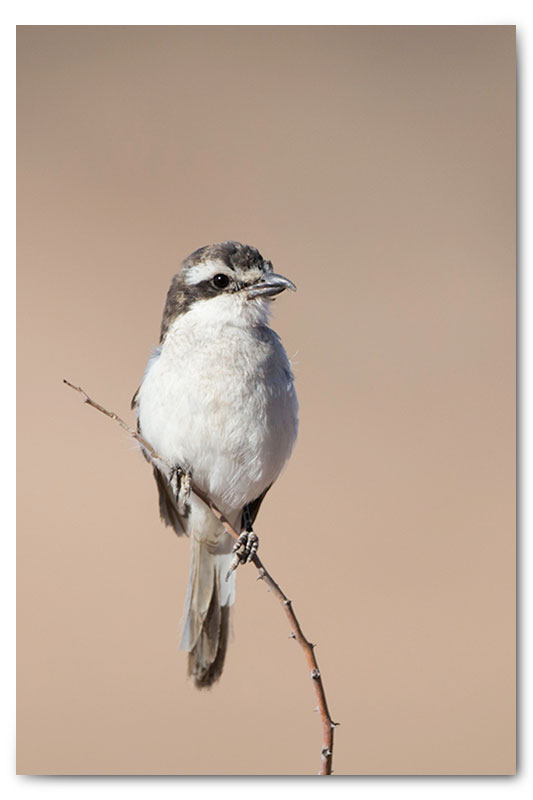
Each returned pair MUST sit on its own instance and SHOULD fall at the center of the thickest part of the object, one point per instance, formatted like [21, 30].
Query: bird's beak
[270, 285]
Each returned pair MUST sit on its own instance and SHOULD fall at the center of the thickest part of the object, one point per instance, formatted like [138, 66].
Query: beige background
[375, 167]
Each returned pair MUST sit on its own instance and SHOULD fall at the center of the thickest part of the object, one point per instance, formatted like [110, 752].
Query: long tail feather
[207, 613]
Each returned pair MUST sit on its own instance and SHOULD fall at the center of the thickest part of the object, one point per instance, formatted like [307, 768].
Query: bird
[217, 403]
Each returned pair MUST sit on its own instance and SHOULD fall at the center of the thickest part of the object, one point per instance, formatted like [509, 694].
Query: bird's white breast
[219, 399]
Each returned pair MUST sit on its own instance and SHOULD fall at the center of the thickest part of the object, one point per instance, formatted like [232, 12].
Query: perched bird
[217, 403]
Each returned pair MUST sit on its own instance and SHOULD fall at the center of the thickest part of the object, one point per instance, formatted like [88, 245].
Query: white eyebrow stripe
[204, 271]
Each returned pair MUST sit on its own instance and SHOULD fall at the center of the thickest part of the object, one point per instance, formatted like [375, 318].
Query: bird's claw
[246, 546]
[233, 566]
[244, 550]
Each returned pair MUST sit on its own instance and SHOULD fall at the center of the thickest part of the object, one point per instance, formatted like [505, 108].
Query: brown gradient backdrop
[375, 167]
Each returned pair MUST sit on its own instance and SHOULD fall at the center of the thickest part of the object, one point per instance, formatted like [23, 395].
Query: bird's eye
[220, 281]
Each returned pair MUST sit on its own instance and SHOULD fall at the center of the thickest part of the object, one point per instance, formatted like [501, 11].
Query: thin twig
[112, 415]
[328, 726]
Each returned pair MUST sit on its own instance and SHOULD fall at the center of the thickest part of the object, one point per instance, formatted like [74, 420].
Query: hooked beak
[270, 285]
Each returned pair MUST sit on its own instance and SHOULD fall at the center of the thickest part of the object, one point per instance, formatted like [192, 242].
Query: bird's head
[227, 282]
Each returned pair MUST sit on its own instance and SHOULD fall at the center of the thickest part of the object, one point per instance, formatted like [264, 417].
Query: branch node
[326, 752]
[287, 602]
[315, 674]
[292, 635]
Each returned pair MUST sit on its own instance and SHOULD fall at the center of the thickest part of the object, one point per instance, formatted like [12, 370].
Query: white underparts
[219, 399]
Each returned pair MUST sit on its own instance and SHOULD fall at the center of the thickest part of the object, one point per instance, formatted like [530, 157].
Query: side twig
[328, 726]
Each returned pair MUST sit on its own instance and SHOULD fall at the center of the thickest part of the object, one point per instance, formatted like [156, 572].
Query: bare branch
[112, 415]
[328, 726]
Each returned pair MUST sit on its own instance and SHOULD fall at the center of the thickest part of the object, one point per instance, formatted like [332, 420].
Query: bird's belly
[232, 426]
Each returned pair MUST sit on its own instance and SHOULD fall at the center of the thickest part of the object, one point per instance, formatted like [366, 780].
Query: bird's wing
[168, 509]
[135, 399]
[253, 507]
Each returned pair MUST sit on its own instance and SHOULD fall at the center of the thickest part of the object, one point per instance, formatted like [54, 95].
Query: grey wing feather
[134, 402]
[167, 505]
[254, 506]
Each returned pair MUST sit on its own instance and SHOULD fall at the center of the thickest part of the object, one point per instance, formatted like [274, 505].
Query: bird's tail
[207, 611]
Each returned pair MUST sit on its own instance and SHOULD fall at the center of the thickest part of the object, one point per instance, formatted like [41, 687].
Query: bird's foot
[246, 546]
[244, 550]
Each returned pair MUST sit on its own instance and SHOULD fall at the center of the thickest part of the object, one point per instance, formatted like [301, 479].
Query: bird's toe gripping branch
[246, 546]
[244, 550]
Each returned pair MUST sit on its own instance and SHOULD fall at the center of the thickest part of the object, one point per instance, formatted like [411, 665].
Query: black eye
[220, 281]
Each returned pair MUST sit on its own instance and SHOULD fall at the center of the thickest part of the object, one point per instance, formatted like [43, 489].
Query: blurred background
[375, 167]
